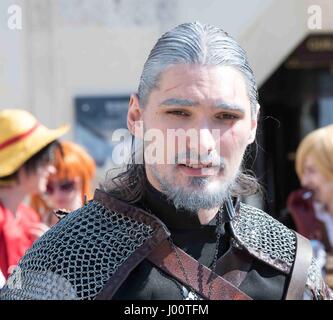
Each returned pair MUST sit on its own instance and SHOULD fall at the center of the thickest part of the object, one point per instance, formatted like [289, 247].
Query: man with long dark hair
[171, 225]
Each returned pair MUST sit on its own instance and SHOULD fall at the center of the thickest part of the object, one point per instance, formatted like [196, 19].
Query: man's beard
[200, 193]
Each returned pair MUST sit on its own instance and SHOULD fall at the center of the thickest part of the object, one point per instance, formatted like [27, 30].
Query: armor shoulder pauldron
[264, 237]
[273, 243]
[78, 256]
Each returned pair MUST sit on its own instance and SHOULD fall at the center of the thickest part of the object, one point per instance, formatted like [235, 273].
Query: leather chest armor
[103, 241]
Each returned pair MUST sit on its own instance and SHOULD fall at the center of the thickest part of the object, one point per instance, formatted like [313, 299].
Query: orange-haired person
[68, 188]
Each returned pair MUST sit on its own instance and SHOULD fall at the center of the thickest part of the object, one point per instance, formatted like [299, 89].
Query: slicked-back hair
[198, 44]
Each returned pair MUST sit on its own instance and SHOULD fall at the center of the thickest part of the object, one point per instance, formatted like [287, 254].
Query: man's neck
[206, 215]
[11, 198]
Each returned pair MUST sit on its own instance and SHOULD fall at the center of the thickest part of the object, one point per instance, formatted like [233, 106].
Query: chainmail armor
[270, 241]
[82, 251]
[316, 288]
[77, 257]
[264, 237]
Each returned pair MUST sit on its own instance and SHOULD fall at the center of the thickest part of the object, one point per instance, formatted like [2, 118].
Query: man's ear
[134, 117]
[254, 123]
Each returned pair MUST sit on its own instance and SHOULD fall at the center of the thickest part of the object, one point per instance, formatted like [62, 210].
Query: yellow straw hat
[22, 136]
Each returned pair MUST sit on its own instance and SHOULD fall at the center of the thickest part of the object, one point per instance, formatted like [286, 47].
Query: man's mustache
[192, 157]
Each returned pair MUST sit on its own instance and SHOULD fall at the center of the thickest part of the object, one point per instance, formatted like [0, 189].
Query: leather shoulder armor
[77, 257]
[264, 237]
[96, 246]
[273, 243]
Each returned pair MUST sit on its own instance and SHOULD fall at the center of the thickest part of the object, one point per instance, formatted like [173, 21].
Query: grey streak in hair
[195, 43]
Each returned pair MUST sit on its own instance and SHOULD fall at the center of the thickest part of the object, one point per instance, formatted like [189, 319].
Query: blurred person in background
[311, 207]
[70, 186]
[26, 154]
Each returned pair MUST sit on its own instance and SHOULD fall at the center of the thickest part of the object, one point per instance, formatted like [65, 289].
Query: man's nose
[205, 142]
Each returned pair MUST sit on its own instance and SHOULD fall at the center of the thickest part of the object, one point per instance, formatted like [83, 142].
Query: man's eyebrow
[229, 106]
[190, 103]
[179, 102]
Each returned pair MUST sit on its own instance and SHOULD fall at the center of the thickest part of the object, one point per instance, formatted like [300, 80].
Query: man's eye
[227, 116]
[178, 113]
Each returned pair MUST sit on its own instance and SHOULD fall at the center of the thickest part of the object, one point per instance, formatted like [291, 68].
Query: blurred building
[77, 61]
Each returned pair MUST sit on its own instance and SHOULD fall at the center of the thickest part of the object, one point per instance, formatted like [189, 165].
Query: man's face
[212, 102]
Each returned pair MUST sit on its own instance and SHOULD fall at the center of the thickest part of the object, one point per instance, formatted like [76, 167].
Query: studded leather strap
[199, 276]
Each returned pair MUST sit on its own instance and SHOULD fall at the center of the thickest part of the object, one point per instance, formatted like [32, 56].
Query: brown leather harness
[200, 277]
[159, 251]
